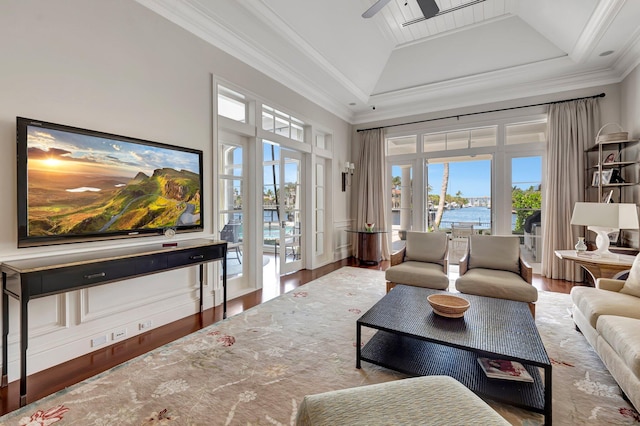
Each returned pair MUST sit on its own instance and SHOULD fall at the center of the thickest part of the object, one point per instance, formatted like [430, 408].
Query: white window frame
[500, 170]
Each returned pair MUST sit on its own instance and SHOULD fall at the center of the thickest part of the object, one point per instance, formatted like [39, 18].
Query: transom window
[461, 139]
[232, 105]
[282, 124]
[401, 145]
[526, 133]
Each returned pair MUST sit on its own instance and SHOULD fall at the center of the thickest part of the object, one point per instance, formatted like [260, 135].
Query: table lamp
[604, 218]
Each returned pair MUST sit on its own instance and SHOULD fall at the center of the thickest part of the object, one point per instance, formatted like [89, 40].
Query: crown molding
[495, 86]
[264, 13]
[217, 33]
[629, 56]
[602, 17]
[480, 90]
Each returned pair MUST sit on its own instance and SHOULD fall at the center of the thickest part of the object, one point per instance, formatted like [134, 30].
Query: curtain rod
[601, 95]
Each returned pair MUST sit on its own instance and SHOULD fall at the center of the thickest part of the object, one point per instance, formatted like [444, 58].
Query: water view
[480, 217]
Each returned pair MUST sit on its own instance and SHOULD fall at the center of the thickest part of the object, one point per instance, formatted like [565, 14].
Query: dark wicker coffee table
[415, 341]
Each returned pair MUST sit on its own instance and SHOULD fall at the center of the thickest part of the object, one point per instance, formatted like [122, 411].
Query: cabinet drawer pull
[197, 257]
[98, 275]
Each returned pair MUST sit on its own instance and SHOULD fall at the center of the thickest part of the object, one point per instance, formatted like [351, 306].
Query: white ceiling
[493, 50]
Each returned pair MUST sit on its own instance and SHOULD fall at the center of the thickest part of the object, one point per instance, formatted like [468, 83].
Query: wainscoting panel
[342, 239]
[65, 326]
[175, 287]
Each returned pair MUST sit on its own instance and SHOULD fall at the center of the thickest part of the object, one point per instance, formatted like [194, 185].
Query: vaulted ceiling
[473, 52]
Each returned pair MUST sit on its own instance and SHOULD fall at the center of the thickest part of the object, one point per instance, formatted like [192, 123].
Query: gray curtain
[372, 194]
[572, 128]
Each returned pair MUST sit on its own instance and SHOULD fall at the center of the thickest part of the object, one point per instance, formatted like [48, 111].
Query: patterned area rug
[255, 368]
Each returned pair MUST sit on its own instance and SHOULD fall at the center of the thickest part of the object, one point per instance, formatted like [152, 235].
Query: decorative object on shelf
[611, 137]
[349, 168]
[170, 232]
[616, 177]
[447, 305]
[604, 219]
[612, 158]
[602, 178]
[369, 227]
[581, 246]
[606, 197]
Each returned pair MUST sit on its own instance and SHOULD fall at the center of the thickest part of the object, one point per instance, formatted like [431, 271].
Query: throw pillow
[632, 284]
[426, 246]
[495, 252]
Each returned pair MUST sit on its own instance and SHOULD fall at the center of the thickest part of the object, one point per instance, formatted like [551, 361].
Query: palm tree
[396, 182]
[443, 192]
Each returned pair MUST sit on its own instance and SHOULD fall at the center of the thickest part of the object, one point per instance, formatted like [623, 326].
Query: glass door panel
[282, 207]
[458, 195]
[526, 205]
[401, 202]
[271, 201]
[290, 211]
[231, 210]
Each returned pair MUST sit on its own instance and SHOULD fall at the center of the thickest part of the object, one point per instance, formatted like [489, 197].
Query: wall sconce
[348, 171]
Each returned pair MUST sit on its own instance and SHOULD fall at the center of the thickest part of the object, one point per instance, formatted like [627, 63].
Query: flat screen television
[79, 185]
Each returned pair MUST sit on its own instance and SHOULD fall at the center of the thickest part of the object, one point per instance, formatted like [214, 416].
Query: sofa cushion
[594, 302]
[632, 284]
[494, 252]
[419, 274]
[623, 335]
[426, 246]
[498, 284]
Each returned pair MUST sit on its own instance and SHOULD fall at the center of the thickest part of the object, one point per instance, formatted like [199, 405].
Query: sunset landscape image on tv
[81, 184]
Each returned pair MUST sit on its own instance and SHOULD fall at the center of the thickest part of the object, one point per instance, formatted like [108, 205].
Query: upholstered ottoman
[428, 400]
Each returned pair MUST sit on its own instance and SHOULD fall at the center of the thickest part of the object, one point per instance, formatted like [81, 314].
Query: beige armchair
[421, 263]
[493, 267]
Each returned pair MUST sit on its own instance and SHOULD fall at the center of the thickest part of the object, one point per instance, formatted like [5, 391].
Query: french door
[290, 211]
[282, 206]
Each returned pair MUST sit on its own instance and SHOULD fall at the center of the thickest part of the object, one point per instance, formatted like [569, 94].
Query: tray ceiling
[492, 50]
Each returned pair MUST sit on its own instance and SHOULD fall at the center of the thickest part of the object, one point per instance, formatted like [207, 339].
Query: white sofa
[609, 318]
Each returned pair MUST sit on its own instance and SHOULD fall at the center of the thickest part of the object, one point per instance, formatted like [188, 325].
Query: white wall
[630, 104]
[117, 67]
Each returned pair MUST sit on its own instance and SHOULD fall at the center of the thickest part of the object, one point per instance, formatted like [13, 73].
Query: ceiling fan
[429, 8]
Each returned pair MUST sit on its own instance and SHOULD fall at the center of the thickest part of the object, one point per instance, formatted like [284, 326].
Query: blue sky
[473, 178]
[92, 154]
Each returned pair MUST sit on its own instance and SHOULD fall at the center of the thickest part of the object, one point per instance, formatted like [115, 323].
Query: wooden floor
[57, 378]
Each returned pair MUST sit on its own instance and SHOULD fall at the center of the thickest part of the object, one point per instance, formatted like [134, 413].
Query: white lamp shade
[607, 215]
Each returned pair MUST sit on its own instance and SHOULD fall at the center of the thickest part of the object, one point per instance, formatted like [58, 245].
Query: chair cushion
[594, 302]
[632, 284]
[434, 400]
[426, 246]
[498, 284]
[623, 335]
[494, 252]
[418, 274]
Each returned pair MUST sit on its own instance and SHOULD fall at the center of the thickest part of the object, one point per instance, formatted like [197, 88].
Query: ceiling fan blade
[377, 6]
[429, 8]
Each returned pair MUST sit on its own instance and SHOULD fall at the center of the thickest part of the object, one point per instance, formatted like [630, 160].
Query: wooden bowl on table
[448, 305]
